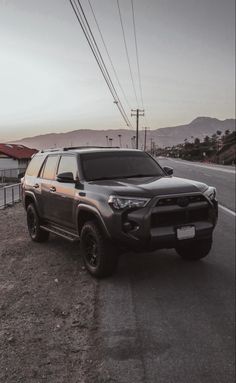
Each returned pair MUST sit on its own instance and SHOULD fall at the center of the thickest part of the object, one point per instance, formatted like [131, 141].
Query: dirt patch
[47, 308]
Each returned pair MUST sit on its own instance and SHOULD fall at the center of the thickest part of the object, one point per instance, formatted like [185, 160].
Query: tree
[197, 141]
[207, 140]
[218, 132]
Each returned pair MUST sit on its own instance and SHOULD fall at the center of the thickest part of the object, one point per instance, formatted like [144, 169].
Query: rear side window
[34, 166]
[50, 167]
[68, 164]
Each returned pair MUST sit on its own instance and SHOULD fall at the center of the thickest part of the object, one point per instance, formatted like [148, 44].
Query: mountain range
[199, 127]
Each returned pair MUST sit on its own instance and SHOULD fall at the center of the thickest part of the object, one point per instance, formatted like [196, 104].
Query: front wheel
[100, 257]
[36, 233]
[194, 250]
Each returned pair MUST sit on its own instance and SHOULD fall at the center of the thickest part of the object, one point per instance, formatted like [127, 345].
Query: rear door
[48, 187]
[65, 192]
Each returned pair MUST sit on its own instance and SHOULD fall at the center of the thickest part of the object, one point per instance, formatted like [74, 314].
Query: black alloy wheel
[33, 222]
[91, 250]
[99, 255]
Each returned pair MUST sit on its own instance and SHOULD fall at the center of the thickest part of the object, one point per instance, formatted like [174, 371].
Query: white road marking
[227, 210]
[204, 166]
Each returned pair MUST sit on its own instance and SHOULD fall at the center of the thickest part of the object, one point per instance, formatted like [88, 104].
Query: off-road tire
[195, 250]
[33, 222]
[100, 257]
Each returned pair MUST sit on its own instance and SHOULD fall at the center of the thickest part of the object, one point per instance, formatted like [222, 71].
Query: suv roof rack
[51, 150]
[77, 147]
[90, 147]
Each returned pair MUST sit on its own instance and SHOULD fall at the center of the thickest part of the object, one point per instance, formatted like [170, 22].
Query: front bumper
[155, 226]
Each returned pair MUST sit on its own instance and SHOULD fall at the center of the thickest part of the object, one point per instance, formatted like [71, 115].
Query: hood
[151, 186]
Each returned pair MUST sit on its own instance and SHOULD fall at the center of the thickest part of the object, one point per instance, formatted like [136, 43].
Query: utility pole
[145, 138]
[137, 113]
[151, 145]
[107, 140]
[120, 135]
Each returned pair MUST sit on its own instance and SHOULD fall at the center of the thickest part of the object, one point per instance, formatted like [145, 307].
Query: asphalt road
[163, 320]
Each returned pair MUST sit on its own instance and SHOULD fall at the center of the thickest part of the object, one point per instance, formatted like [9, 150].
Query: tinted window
[50, 167]
[119, 165]
[68, 164]
[35, 165]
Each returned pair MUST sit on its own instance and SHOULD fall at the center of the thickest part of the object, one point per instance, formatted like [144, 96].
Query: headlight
[127, 202]
[211, 193]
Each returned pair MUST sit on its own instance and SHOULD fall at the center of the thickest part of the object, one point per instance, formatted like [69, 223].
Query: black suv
[113, 200]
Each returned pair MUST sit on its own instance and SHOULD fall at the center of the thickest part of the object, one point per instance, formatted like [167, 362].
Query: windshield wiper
[122, 176]
[105, 178]
[143, 175]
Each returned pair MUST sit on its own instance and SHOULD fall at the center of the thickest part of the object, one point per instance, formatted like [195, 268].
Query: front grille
[169, 212]
[170, 201]
[179, 218]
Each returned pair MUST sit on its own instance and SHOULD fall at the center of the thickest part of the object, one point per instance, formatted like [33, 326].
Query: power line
[115, 95]
[81, 17]
[137, 55]
[127, 53]
[109, 57]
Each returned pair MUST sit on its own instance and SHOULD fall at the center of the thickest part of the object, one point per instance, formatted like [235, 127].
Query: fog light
[128, 226]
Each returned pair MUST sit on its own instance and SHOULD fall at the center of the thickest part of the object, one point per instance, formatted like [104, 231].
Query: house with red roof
[14, 159]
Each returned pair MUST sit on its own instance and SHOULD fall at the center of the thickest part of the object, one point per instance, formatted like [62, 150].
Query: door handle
[36, 186]
[52, 189]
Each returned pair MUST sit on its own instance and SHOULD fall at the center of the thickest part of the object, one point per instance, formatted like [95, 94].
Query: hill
[199, 127]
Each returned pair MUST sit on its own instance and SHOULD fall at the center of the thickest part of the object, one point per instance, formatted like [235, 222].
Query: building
[14, 160]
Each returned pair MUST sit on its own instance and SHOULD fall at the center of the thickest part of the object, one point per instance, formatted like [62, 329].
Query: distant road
[223, 178]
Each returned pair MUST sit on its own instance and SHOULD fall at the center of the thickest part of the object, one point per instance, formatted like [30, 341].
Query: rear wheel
[100, 257]
[36, 233]
[194, 250]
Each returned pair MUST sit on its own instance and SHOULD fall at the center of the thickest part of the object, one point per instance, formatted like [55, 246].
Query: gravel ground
[47, 308]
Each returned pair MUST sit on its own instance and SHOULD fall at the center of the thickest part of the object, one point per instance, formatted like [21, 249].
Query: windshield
[110, 165]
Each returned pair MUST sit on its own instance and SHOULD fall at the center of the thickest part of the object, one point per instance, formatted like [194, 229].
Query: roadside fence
[9, 195]
[7, 175]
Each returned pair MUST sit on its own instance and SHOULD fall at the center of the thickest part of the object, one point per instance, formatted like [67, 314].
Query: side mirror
[65, 177]
[169, 171]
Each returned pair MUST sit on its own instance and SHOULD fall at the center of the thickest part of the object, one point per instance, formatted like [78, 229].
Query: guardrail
[10, 194]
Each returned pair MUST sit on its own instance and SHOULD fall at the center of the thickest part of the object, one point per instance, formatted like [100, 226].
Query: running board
[61, 232]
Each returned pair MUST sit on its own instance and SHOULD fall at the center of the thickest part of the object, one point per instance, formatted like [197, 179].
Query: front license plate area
[185, 232]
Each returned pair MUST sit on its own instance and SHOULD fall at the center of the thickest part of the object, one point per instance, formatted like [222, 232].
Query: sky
[50, 81]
